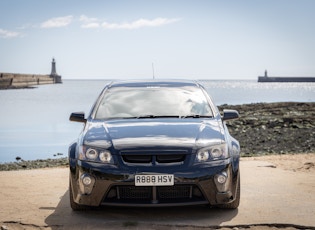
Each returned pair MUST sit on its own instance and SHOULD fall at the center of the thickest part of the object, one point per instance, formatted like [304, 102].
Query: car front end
[138, 171]
[154, 161]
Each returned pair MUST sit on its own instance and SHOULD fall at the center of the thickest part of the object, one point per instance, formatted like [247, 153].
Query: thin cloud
[140, 23]
[8, 34]
[89, 22]
[57, 22]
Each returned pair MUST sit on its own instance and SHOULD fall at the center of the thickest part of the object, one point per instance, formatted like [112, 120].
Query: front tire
[74, 205]
[234, 204]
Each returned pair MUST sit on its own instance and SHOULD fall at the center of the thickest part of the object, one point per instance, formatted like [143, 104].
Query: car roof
[153, 83]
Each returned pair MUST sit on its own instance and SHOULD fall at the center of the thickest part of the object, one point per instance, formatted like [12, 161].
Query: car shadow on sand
[104, 217]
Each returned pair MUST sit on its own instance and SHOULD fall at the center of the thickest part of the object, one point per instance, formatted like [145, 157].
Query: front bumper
[116, 187]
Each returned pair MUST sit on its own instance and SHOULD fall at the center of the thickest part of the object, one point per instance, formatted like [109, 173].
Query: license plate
[154, 180]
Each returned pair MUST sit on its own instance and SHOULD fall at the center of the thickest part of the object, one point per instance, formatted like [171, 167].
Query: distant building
[54, 75]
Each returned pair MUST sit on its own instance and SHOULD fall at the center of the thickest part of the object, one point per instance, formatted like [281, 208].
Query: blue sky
[194, 39]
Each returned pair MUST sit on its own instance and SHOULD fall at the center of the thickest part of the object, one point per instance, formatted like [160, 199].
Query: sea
[34, 123]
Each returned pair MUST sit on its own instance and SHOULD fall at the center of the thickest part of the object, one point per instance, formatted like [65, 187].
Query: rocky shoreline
[262, 129]
[34, 164]
[274, 128]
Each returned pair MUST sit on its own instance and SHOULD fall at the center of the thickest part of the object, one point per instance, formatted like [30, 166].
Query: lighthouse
[53, 74]
[53, 67]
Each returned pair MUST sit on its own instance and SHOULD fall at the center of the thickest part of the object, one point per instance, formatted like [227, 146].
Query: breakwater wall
[266, 78]
[286, 79]
[15, 80]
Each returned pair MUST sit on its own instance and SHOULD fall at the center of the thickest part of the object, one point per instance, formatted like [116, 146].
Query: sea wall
[285, 79]
[14, 80]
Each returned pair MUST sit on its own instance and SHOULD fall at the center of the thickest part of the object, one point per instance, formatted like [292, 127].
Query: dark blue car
[154, 143]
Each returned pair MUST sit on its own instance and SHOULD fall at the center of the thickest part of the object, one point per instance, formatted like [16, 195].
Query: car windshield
[150, 102]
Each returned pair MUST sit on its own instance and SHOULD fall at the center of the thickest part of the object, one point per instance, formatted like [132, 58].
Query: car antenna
[153, 70]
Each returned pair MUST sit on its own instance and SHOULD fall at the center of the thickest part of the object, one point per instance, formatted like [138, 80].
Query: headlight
[203, 156]
[106, 157]
[215, 152]
[90, 153]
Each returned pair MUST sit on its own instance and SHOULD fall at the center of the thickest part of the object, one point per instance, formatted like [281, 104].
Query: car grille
[148, 195]
[128, 192]
[153, 158]
[175, 192]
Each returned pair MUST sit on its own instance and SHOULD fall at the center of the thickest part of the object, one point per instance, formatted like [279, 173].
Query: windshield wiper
[151, 116]
[196, 116]
[157, 116]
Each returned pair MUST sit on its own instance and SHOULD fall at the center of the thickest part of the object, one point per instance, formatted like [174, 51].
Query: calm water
[34, 122]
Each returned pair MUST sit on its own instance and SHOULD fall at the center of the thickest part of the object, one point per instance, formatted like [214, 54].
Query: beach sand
[38, 199]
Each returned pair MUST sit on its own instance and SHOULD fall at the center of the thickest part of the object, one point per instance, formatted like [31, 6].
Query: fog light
[86, 183]
[86, 180]
[221, 179]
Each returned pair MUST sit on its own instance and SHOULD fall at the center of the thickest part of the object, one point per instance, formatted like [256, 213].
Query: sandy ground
[290, 162]
[277, 192]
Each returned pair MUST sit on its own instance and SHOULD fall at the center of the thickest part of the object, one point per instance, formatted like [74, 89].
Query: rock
[42, 163]
[18, 158]
[286, 127]
[4, 227]
[309, 165]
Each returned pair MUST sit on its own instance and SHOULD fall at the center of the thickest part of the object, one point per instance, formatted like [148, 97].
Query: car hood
[131, 134]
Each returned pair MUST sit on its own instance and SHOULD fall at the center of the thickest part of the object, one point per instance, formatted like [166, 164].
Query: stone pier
[17, 80]
[13, 80]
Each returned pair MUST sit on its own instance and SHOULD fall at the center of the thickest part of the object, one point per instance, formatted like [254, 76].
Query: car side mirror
[78, 117]
[229, 114]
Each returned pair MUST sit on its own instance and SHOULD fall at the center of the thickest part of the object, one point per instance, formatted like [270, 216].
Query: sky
[188, 39]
